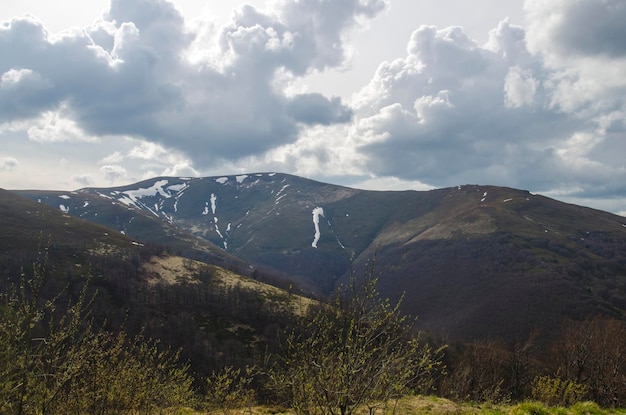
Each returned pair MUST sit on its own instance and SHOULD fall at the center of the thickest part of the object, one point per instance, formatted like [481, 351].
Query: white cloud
[583, 43]
[390, 183]
[112, 172]
[127, 75]
[113, 158]
[562, 29]
[179, 170]
[454, 112]
[55, 127]
[519, 88]
[8, 164]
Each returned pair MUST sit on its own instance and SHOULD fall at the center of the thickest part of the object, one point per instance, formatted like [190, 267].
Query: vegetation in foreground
[355, 355]
[420, 405]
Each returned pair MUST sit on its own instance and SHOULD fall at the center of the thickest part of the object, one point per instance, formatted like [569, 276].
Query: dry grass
[168, 270]
[177, 270]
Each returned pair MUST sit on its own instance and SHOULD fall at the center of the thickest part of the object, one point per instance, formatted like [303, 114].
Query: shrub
[53, 361]
[229, 389]
[557, 392]
[357, 350]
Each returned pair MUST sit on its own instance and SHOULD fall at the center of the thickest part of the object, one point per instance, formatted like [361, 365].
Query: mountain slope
[211, 313]
[472, 261]
[495, 261]
[26, 224]
[142, 225]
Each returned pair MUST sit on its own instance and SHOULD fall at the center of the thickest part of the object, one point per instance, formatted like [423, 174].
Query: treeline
[97, 339]
[585, 360]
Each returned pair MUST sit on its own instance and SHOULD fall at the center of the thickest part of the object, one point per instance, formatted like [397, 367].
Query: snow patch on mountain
[66, 197]
[217, 229]
[221, 180]
[336, 237]
[241, 178]
[64, 209]
[213, 203]
[132, 198]
[156, 188]
[177, 187]
[317, 212]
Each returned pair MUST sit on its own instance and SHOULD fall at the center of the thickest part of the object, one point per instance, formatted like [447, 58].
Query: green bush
[557, 392]
[229, 389]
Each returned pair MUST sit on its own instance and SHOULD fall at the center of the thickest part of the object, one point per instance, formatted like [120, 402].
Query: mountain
[209, 312]
[93, 207]
[471, 261]
[26, 226]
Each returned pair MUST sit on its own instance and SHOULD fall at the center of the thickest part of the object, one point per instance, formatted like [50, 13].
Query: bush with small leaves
[230, 389]
[557, 392]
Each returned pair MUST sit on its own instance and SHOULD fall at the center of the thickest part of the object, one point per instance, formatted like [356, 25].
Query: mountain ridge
[471, 261]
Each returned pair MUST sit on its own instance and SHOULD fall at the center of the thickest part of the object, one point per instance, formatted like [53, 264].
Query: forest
[88, 336]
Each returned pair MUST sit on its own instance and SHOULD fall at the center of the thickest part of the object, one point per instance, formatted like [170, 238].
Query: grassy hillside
[489, 261]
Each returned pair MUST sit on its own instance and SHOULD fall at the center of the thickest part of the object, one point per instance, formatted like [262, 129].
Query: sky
[373, 94]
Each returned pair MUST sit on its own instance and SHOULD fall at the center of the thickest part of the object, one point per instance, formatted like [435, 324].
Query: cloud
[23, 94]
[56, 127]
[317, 109]
[519, 88]
[143, 159]
[113, 171]
[129, 75]
[454, 112]
[579, 28]
[83, 179]
[583, 43]
[8, 164]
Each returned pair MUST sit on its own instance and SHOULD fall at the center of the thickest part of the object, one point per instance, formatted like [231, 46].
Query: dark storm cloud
[128, 75]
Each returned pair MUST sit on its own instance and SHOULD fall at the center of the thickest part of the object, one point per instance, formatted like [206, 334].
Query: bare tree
[592, 353]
